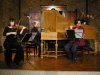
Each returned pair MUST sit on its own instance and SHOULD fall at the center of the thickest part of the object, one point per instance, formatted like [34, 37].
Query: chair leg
[82, 56]
[27, 54]
[34, 51]
[29, 51]
[88, 53]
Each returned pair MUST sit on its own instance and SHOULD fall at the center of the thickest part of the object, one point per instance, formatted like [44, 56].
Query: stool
[28, 47]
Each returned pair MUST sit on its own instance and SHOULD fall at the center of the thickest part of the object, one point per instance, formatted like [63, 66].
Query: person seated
[73, 44]
[36, 40]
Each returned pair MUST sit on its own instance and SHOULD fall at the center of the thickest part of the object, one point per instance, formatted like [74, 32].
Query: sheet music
[33, 36]
[79, 33]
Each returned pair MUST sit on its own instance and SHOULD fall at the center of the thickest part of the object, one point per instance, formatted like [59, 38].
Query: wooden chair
[29, 46]
[84, 50]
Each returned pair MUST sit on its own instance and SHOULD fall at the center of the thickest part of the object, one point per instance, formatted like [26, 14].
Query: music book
[26, 37]
[32, 36]
[79, 33]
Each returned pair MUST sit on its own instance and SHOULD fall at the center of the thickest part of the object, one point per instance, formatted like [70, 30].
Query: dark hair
[11, 19]
[76, 21]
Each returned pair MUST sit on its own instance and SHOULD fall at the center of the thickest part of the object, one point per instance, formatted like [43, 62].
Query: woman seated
[10, 43]
[73, 44]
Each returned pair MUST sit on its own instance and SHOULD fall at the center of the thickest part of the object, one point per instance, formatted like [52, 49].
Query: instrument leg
[56, 48]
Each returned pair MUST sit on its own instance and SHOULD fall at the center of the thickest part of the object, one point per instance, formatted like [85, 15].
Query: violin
[19, 27]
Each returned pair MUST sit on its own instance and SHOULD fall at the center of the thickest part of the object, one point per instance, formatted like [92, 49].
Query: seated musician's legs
[68, 50]
[8, 56]
[7, 53]
[74, 51]
[39, 50]
[19, 54]
[38, 44]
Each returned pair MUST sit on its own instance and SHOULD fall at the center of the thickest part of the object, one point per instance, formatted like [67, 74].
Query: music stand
[32, 36]
[26, 37]
[24, 40]
[70, 34]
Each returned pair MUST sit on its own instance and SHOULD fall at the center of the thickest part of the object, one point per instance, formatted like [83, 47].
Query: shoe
[21, 63]
[14, 65]
[72, 61]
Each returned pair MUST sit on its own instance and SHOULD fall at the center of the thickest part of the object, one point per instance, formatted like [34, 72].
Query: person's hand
[24, 28]
[66, 28]
[9, 33]
[14, 33]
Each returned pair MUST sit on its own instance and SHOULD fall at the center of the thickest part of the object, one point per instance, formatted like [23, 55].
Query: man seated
[37, 38]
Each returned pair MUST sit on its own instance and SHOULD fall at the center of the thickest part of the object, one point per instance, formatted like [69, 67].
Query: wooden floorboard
[89, 63]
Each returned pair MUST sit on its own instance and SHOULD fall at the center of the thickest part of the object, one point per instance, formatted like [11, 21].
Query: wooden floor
[90, 63]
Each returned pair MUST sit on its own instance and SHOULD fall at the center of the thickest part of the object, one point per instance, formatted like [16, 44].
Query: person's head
[33, 24]
[88, 16]
[78, 22]
[11, 22]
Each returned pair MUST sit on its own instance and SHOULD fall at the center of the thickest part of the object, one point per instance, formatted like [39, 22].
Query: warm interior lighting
[52, 7]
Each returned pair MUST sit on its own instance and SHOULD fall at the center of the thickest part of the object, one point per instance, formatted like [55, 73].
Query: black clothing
[11, 43]
[34, 29]
[37, 40]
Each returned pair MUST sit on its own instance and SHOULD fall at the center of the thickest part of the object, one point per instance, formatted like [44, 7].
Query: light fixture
[52, 7]
[52, 0]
